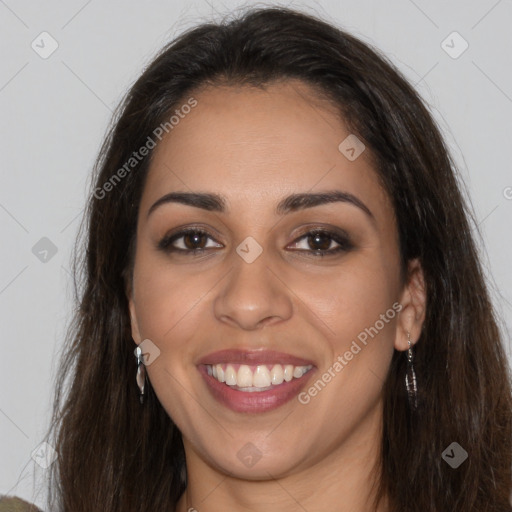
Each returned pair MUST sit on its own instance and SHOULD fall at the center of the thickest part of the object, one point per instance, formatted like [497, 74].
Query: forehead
[251, 144]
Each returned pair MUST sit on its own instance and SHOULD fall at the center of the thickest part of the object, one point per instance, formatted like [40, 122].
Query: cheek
[356, 303]
[169, 313]
[351, 298]
[161, 298]
[170, 301]
[357, 306]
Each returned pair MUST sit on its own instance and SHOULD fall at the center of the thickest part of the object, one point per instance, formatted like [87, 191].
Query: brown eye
[319, 243]
[194, 240]
[186, 241]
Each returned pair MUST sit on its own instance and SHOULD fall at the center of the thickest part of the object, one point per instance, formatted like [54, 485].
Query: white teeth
[220, 373]
[297, 372]
[253, 389]
[261, 379]
[230, 376]
[288, 372]
[244, 376]
[277, 374]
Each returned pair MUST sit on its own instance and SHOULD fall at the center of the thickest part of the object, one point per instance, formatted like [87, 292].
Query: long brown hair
[116, 455]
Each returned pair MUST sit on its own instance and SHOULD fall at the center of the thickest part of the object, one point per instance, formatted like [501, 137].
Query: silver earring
[141, 373]
[410, 378]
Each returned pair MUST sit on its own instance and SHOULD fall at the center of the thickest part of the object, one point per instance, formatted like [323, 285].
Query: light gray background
[55, 112]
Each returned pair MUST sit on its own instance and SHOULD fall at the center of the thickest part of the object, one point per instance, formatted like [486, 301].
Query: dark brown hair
[116, 455]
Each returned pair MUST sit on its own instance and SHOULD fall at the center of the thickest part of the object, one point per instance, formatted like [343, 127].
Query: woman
[276, 229]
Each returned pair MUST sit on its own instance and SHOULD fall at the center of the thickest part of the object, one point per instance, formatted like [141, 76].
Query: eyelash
[343, 242]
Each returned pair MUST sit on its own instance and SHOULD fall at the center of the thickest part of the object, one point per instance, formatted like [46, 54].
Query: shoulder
[13, 504]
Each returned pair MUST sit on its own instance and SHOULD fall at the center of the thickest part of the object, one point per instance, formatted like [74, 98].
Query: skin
[255, 147]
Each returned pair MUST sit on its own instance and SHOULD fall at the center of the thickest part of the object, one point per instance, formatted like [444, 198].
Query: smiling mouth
[255, 378]
[254, 381]
[262, 397]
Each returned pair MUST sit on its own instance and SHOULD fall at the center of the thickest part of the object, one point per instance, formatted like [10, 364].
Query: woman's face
[255, 297]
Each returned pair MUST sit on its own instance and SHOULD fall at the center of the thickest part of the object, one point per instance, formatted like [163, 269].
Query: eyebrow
[291, 203]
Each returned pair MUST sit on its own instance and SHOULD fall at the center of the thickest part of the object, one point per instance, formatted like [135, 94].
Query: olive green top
[13, 504]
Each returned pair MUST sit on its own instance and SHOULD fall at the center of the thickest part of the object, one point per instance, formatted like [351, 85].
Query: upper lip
[253, 357]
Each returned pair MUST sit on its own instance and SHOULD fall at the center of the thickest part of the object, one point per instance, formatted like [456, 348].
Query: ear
[133, 317]
[413, 300]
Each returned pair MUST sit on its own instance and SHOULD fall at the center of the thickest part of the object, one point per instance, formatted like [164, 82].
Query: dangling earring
[141, 373]
[410, 378]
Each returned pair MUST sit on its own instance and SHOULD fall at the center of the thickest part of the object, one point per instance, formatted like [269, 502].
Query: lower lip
[256, 401]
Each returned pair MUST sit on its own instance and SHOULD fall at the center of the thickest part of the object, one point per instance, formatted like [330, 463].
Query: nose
[253, 295]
